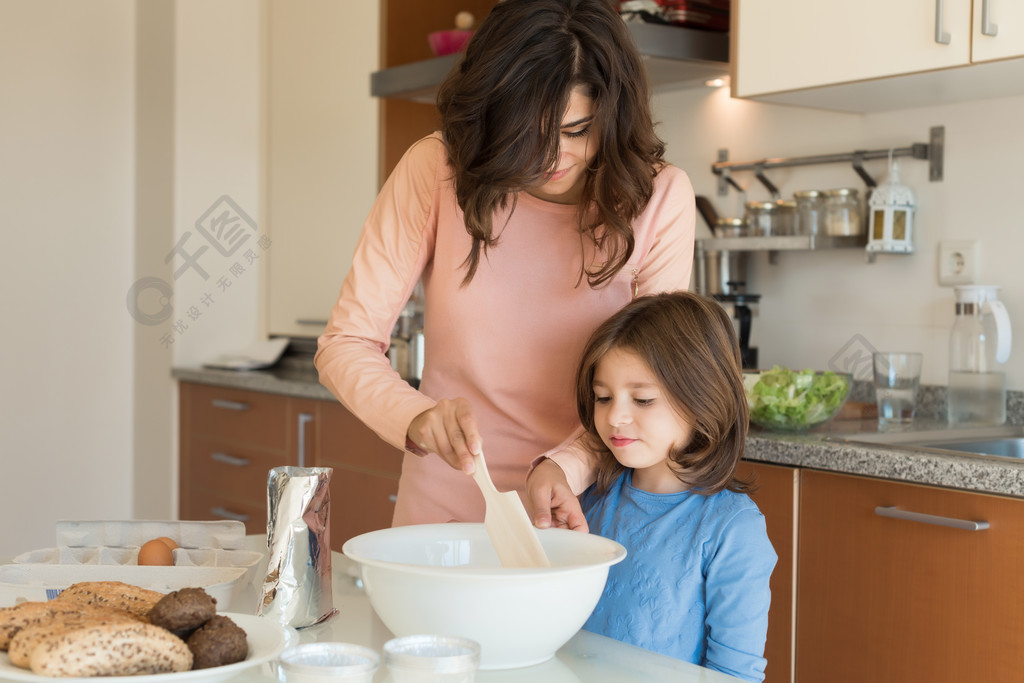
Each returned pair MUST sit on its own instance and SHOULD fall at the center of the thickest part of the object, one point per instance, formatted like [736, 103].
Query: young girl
[660, 394]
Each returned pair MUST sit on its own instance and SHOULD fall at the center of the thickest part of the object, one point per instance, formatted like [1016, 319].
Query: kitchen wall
[66, 260]
[123, 125]
[820, 307]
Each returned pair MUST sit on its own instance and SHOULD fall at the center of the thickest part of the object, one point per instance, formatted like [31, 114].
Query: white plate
[267, 639]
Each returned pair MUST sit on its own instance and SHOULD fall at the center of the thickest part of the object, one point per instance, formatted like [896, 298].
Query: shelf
[785, 243]
[776, 243]
[676, 57]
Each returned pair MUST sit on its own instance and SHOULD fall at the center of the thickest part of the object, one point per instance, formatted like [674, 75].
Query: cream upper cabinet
[808, 43]
[322, 136]
[877, 55]
[998, 30]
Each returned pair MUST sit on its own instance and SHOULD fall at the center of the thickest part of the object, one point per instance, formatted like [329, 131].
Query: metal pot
[722, 271]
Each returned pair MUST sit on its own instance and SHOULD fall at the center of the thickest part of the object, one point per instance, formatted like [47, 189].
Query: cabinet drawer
[906, 599]
[235, 415]
[345, 440]
[202, 505]
[236, 471]
[360, 502]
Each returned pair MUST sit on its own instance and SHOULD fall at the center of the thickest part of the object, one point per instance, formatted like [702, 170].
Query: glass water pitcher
[978, 348]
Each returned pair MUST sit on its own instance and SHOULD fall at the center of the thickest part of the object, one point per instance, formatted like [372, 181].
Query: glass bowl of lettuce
[785, 400]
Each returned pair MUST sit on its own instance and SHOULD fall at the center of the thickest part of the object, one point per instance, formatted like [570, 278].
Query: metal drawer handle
[224, 513]
[952, 522]
[229, 459]
[304, 419]
[988, 28]
[229, 405]
[941, 36]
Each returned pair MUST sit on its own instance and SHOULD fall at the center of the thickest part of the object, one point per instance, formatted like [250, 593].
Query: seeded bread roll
[28, 638]
[13, 619]
[218, 642]
[111, 594]
[123, 649]
[183, 611]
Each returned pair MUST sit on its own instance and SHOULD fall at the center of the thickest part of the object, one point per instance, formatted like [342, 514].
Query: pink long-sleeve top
[508, 342]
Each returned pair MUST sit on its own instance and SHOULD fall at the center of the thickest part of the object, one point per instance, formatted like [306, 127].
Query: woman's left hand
[553, 502]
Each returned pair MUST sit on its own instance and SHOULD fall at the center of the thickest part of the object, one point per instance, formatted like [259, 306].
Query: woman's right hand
[448, 429]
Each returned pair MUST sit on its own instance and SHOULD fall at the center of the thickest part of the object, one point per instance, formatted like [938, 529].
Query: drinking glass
[897, 378]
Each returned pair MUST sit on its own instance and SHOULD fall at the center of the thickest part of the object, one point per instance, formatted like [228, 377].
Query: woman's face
[637, 421]
[576, 147]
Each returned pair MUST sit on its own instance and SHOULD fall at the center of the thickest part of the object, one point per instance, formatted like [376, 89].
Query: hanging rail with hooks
[931, 150]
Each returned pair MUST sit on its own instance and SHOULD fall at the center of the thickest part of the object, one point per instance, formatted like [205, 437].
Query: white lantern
[891, 216]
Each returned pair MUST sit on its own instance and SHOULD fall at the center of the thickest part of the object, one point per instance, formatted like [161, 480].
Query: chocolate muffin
[218, 642]
[183, 611]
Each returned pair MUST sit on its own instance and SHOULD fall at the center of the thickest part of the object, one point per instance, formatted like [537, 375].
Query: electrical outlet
[958, 263]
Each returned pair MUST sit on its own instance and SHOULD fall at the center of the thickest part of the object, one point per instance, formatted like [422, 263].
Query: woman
[542, 206]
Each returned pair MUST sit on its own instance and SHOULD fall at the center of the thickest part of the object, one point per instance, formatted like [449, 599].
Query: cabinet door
[229, 440]
[1006, 22]
[883, 599]
[783, 46]
[321, 153]
[365, 478]
[776, 497]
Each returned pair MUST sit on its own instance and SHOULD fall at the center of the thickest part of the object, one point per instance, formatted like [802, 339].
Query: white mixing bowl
[445, 579]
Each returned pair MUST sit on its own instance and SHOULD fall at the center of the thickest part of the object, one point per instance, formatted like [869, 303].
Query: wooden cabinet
[405, 25]
[875, 54]
[776, 497]
[891, 599]
[365, 478]
[232, 438]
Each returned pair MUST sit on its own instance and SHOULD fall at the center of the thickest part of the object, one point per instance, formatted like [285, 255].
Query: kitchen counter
[824, 448]
[586, 657]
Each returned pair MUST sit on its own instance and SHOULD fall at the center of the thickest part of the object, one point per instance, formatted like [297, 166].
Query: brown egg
[155, 553]
[169, 542]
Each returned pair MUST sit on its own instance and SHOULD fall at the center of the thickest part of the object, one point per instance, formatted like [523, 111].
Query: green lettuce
[786, 399]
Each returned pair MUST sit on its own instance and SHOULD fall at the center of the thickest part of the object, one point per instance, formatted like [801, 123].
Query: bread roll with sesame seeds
[119, 649]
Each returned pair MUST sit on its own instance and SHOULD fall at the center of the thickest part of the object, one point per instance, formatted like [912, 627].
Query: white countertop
[586, 658]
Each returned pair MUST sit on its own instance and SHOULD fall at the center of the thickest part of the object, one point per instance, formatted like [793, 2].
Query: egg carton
[208, 551]
[40, 582]
[127, 557]
[224, 535]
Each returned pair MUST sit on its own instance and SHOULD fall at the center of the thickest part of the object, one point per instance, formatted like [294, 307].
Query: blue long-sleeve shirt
[694, 585]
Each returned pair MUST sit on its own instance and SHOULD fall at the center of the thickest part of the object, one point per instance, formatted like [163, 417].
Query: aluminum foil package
[297, 589]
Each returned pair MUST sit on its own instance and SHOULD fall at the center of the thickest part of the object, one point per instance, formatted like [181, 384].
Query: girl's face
[636, 420]
[564, 183]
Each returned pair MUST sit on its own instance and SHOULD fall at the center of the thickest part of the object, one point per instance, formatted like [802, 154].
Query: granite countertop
[831, 447]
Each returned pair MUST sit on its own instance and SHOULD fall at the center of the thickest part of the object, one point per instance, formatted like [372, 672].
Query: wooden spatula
[507, 524]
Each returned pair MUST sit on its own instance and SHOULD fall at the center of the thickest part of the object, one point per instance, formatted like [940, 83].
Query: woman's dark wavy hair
[502, 108]
[689, 343]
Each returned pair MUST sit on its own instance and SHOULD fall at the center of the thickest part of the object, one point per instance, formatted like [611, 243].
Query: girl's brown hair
[689, 343]
[502, 110]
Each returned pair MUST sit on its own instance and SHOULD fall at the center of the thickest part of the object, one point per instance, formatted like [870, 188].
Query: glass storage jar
[760, 218]
[785, 217]
[810, 209]
[843, 213]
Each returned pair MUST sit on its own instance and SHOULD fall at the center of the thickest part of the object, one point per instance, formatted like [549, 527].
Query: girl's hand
[552, 500]
[449, 430]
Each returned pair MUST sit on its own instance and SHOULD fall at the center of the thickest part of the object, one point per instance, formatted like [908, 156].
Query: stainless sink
[1006, 441]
